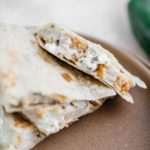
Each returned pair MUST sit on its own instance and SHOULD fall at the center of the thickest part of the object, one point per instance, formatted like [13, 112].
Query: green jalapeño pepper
[139, 14]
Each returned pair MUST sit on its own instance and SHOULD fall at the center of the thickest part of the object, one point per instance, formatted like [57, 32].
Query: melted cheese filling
[60, 44]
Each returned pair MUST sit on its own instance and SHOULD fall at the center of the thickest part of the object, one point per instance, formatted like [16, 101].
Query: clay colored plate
[117, 125]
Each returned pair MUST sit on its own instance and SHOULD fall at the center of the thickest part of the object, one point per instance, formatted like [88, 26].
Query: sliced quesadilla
[40, 88]
[88, 57]
[16, 133]
[29, 76]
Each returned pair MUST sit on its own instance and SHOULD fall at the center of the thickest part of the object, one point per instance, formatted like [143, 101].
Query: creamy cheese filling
[92, 60]
[62, 47]
[89, 61]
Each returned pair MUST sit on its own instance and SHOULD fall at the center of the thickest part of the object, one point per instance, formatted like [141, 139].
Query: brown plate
[117, 125]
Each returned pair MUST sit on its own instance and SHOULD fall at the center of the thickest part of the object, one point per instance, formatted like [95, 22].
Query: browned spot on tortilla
[78, 44]
[19, 105]
[19, 140]
[95, 103]
[39, 115]
[67, 77]
[21, 122]
[101, 70]
[10, 80]
[58, 97]
[4, 75]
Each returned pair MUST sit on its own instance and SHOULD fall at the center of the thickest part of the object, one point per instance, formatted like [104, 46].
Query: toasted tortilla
[16, 133]
[88, 57]
[30, 76]
[50, 119]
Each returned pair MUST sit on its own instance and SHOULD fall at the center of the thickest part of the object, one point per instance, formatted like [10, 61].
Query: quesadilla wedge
[29, 76]
[88, 57]
[50, 119]
[16, 133]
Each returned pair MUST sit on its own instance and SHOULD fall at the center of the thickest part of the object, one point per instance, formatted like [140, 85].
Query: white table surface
[103, 19]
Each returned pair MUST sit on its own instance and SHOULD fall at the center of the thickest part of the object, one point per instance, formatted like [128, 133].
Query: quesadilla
[50, 119]
[29, 76]
[88, 57]
[16, 133]
[47, 94]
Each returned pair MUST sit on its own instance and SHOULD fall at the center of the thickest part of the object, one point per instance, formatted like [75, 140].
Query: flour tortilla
[30, 77]
[50, 119]
[88, 57]
[16, 133]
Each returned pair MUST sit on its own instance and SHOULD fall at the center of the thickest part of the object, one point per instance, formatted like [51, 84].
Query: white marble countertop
[103, 19]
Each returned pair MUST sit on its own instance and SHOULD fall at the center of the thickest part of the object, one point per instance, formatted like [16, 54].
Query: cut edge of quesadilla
[16, 133]
[88, 57]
